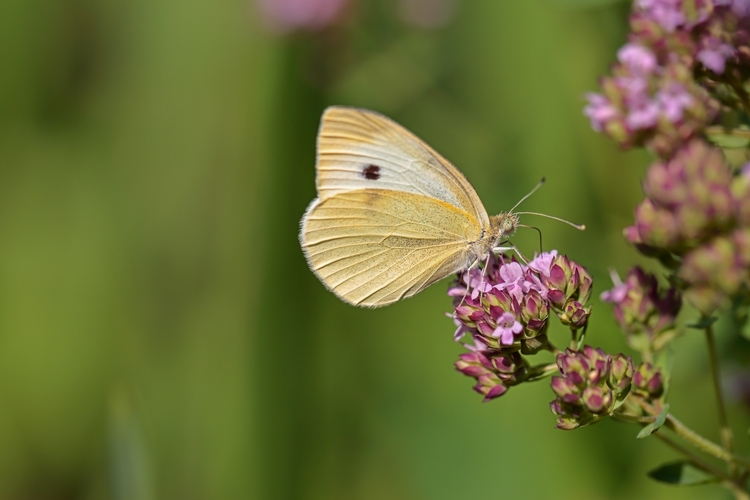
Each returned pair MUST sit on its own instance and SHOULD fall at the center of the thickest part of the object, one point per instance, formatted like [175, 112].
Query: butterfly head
[504, 224]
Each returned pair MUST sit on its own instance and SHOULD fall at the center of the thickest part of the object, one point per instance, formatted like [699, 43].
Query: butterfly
[392, 215]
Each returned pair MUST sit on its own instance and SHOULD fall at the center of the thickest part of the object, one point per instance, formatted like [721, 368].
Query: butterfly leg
[481, 279]
[510, 247]
[467, 279]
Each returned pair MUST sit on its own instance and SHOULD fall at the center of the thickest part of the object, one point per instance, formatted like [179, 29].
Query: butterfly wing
[361, 149]
[373, 247]
[392, 216]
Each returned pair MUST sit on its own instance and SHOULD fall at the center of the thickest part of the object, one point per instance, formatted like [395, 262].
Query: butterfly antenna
[538, 185]
[538, 231]
[580, 227]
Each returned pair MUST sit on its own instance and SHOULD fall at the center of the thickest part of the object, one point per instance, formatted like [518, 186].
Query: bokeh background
[160, 334]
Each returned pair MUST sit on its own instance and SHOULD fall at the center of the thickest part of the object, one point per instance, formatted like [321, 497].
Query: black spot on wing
[371, 172]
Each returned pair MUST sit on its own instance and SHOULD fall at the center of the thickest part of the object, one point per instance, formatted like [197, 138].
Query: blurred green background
[160, 334]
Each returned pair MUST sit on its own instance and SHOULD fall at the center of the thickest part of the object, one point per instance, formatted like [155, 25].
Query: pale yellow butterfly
[392, 216]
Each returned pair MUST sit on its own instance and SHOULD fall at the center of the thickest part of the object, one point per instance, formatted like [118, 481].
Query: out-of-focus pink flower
[427, 13]
[637, 57]
[714, 54]
[599, 110]
[673, 100]
[286, 16]
[643, 116]
[668, 13]
[740, 8]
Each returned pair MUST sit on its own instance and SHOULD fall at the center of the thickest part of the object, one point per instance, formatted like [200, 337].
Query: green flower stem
[626, 417]
[694, 438]
[702, 443]
[737, 489]
[552, 348]
[724, 431]
[539, 372]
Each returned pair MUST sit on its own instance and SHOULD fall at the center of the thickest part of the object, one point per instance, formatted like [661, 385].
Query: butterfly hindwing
[374, 247]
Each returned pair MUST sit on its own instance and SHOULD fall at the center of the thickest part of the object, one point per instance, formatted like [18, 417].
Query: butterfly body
[392, 216]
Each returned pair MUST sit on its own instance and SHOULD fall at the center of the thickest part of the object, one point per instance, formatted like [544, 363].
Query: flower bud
[599, 363]
[716, 271]
[574, 366]
[597, 399]
[490, 386]
[583, 389]
[644, 312]
[574, 314]
[534, 313]
[565, 390]
[647, 380]
[473, 364]
[621, 374]
[567, 280]
[569, 416]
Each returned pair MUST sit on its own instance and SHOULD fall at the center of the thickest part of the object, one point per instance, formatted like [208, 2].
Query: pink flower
[290, 15]
[514, 280]
[667, 13]
[714, 54]
[673, 100]
[543, 262]
[637, 58]
[740, 7]
[644, 116]
[507, 328]
[599, 111]
[618, 293]
[477, 282]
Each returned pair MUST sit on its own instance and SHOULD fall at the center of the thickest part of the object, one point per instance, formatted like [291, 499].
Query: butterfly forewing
[359, 149]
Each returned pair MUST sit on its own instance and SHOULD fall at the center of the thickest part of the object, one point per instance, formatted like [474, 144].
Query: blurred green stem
[698, 441]
[724, 431]
[731, 483]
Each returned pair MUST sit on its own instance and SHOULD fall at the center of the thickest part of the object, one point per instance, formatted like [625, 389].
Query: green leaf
[703, 323]
[654, 426]
[681, 473]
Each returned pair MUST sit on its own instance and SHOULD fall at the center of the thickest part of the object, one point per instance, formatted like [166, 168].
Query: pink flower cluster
[504, 309]
[652, 98]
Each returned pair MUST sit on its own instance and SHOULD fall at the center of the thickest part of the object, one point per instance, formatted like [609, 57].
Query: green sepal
[681, 473]
[656, 424]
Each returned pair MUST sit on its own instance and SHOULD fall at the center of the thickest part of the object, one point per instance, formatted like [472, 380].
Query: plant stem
[724, 431]
[702, 443]
[694, 438]
[626, 417]
[538, 372]
[730, 483]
